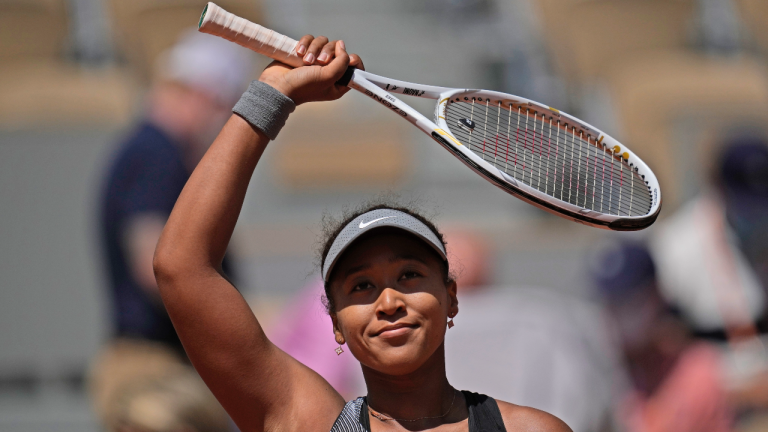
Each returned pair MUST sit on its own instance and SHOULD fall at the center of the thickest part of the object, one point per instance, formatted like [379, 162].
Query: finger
[338, 65]
[356, 61]
[314, 49]
[304, 42]
[326, 54]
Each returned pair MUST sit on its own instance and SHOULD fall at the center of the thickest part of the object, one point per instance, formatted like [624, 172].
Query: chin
[400, 360]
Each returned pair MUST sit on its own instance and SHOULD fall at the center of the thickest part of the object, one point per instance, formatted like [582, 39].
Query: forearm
[201, 224]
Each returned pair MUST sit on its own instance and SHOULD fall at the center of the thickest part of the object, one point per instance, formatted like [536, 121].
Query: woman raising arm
[261, 387]
[386, 278]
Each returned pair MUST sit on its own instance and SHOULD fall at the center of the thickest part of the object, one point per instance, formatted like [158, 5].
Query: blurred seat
[39, 87]
[57, 94]
[369, 154]
[586, 36]
[657, 93]
[145, 28]
[32, 28]
[754, 13]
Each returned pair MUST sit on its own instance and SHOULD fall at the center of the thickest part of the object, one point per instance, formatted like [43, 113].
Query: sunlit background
[675, 80]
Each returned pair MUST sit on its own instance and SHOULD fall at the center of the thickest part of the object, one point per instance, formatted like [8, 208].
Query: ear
[336, 332]
[453, 299]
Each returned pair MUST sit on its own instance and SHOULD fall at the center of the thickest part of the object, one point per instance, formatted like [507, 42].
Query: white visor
[378, 219]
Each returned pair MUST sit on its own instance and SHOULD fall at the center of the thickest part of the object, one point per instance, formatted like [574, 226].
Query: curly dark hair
[332, 226]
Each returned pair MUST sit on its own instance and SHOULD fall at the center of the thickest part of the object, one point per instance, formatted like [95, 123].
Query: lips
[395, 330]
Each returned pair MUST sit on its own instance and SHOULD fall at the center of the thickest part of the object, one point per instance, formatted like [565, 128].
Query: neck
[424, 392]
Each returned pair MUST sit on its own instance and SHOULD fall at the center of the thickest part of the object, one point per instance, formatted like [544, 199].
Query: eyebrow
[407, 258]
[356, 269]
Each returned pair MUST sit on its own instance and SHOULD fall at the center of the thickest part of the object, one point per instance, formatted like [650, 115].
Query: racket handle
[347, 77]
[218, 22]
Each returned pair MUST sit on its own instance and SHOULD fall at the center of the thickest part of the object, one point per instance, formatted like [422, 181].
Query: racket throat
[403, 87]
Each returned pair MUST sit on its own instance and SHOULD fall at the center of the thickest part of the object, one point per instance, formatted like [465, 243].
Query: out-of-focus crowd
[673, 334]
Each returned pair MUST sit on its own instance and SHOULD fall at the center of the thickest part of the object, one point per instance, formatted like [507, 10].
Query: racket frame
[382, 90]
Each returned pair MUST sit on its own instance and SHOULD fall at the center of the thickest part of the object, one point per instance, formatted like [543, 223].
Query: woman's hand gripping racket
[534, 152]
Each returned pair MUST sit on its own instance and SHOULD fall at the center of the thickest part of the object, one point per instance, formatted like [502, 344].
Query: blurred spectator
[712, 257]
[529, 346]
[198, 81]
[713, 254]
[470, 259]
[743, 184]
[677, 384]
[304, 330]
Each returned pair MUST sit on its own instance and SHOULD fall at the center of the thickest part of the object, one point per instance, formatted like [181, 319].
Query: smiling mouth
[395, 330]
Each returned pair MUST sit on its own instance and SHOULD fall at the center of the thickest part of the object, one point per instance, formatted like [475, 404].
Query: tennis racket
[532, 151]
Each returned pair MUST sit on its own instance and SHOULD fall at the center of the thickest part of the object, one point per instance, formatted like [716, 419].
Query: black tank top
[484, 415]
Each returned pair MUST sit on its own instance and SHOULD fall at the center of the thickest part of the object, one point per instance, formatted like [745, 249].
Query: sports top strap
[484, 414]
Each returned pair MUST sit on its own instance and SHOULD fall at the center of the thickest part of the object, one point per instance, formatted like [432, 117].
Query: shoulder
[525, 419]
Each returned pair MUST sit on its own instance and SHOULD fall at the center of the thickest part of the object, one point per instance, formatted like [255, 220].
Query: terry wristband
[264, 108]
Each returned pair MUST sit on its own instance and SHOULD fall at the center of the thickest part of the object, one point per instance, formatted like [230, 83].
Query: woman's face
[392, 301]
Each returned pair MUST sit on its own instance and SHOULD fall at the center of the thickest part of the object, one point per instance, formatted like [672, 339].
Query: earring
[450, 321]
[340, 341]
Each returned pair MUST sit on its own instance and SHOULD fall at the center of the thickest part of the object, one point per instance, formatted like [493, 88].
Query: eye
[410, 275]
[362, 286]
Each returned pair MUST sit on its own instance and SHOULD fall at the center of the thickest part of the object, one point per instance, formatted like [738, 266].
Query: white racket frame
[219, 22]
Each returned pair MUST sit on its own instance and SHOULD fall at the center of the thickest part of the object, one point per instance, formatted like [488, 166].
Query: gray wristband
[264, 108]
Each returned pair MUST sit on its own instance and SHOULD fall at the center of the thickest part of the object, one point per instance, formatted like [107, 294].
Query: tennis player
[387, 282]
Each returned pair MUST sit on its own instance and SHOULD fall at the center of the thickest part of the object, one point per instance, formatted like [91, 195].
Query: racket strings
[532, 140]
[545, 155]
[581, 190]
[582, 170]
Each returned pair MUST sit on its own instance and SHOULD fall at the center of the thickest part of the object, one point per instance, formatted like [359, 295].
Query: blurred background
[660, 330]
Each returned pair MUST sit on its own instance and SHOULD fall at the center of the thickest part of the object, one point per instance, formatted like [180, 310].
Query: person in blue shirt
[143, 184]
[197, 83]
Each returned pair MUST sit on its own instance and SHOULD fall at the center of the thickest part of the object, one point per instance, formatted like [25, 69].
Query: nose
[390, 302]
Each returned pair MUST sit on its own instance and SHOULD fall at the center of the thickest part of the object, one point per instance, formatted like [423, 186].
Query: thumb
[336, 68]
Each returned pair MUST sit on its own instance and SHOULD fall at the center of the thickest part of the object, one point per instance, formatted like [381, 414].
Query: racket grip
[218, 22]
[347, 77]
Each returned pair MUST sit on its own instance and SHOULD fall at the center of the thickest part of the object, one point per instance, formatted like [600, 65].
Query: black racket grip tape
[347, 77]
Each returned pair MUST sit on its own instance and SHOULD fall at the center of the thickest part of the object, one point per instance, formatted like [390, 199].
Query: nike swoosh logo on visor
[365, 224]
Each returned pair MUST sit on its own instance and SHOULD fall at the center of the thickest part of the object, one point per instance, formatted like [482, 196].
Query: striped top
[484, 415]
[349, 419]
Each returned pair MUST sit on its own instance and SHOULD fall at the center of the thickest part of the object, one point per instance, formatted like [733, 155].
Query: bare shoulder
[525, 419]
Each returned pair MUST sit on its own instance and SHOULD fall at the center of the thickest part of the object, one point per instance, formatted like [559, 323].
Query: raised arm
[260, 386]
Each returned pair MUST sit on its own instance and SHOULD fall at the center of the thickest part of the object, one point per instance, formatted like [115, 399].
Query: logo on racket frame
[385, 102]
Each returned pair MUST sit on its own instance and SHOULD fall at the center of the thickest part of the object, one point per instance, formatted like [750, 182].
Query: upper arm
[260, 386]
[257, 383]
[525, 419]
